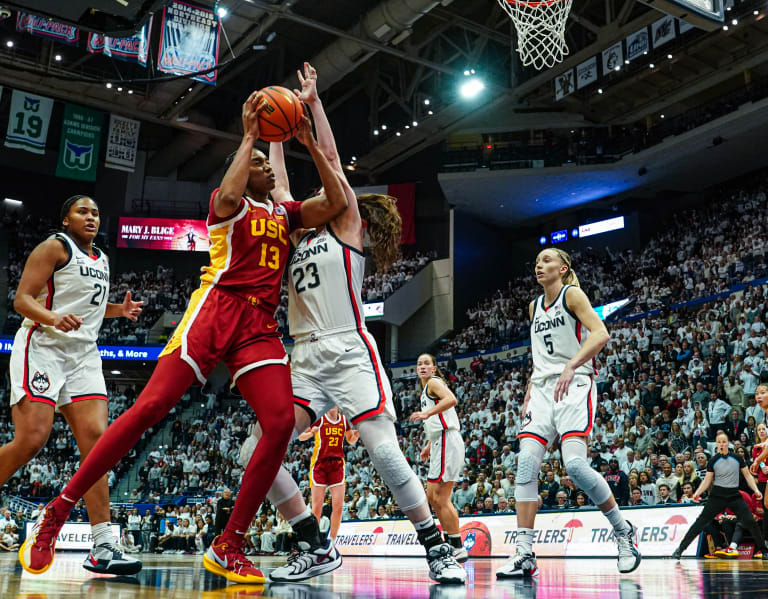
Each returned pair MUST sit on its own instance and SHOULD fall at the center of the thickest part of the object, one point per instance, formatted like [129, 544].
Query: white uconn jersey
[80, 287]
[325, 281]
[435, 425]
[556, 337]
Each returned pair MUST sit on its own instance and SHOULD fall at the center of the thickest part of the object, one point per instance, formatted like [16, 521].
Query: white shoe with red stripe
[308, 563]
[109, 558]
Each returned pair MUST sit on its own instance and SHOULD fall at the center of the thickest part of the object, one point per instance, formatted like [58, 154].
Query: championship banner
[612, 57]
[566, 533]
[189, 42]
[163, 234]
[130, 49]
[586, 73]
[42, 27]
[122, 143]
[638, 44]
[406, 206]
[80, 140]
[28, 122]
[663, 31]
[564, 84]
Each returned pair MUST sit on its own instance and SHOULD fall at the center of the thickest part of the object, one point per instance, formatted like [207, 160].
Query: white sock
[102, 533]
[525, 539]
[424, 524]
[617, 520]
[305, 514]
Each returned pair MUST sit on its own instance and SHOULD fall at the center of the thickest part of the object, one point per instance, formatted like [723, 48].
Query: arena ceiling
[379, 60]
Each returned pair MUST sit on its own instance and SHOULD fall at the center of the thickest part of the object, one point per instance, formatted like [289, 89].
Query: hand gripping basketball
[251, 109]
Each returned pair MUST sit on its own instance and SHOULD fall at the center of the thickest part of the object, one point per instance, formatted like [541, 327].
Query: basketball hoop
[540, 30]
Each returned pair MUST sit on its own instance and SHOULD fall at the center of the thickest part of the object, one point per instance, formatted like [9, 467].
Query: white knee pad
[588, 480]
[528, 465]
[283, 488]
[378, 436]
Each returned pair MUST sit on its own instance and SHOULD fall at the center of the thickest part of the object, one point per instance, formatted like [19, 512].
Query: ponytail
[384, 226]
[569, 276]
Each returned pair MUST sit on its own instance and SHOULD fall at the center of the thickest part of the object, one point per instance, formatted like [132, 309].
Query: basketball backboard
[704, 14]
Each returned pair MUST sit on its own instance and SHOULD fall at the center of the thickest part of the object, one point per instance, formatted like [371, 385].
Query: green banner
[80, 139]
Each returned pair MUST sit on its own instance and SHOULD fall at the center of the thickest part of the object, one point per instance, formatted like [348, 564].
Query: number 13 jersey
[557, 335]
[80, 286]
[325, 281]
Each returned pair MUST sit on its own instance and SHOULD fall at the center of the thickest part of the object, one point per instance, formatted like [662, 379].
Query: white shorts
[446, 457]
[573, 416]
[54, 371]
[342, 369]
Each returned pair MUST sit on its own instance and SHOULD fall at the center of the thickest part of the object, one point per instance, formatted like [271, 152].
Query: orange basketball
[280, 119]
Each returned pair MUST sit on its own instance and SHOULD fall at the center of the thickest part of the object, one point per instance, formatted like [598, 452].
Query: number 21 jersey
[557, 335]
[325, 282]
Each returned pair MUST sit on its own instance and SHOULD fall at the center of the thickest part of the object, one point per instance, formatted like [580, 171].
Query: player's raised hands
[304, 134]
[251, 109]
[308, 81]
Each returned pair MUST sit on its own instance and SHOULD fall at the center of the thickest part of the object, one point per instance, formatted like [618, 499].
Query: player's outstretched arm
[282, 191]
[127, 308]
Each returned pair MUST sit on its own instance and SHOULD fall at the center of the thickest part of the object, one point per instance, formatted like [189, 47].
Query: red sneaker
[226, 560]
[36, 552]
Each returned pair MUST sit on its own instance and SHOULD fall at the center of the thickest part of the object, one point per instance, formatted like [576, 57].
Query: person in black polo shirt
[723, 472]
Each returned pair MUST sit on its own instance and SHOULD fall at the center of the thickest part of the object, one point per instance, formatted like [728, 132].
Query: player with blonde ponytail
[566, 335]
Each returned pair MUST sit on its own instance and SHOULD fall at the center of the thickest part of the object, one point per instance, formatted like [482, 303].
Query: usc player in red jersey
[229, 318]
[326, 471]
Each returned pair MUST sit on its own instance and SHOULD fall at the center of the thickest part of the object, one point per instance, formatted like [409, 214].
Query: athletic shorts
[221, 326]
[446, 457]
[573, 416]
[53, 370]
[328, 472]
[342, 369]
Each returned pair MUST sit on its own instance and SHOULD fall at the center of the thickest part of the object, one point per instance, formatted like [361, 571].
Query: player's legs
[337, 503]
[378, 435]
[745, 518]
[712, 508]
[439, 497]
[318, 498]
[32, 423]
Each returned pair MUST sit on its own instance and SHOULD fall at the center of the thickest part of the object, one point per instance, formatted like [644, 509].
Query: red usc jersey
[329, 439]
[249, 250]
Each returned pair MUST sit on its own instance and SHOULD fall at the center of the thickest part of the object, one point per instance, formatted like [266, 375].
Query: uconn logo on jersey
[89, 271]
[541, 325]
[305, 253]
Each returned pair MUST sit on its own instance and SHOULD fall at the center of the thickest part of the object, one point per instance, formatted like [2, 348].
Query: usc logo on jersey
[270, 229]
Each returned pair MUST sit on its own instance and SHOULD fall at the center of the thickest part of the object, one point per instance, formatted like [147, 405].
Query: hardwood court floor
[177, 577]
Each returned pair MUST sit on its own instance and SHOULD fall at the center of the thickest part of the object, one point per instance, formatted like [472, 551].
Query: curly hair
[384, 226]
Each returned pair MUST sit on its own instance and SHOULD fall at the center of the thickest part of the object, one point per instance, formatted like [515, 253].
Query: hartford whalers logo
[31, 104]
[78, 157]
[40, 382]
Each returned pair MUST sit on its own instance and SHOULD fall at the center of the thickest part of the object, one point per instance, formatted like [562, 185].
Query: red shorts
[328, 472]
[221, 326]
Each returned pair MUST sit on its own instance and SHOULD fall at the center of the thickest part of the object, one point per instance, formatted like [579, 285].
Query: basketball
[280, 120]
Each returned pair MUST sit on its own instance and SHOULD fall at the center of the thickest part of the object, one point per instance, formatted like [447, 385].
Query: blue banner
[189, 42]
[130, 49]
[43, 27]
[108, 352]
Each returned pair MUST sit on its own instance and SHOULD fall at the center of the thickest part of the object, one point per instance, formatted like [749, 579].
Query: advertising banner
[108, 352]
[43, 27]
[581, 533]
[80, 141]
[122, 143]
[189, 42]
[163, 234]
[76, 535]
[28, 122]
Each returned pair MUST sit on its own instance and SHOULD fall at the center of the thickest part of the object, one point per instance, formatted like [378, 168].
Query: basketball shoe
[37, 551]
[443, 567]
[727, 552]
[629, 557]
[110, 558]
[519, 565]
[460, 554]
[308, 562]
[226, 560]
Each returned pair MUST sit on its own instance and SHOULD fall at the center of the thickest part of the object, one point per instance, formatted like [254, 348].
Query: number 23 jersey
[557, 335]
[80, 286]
[325, 282]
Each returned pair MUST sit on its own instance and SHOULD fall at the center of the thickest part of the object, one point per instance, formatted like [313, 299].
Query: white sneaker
[629, 557]
[306, 564]
[443, 567]
[460, 554]
[519, 565]
[110, 558]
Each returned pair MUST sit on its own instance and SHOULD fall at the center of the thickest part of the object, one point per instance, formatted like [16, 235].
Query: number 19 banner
[28, 122]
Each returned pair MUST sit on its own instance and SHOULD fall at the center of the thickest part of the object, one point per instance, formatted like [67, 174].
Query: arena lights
[543, 240]
[375, 131]
[222, 12]
[57, 58]
[472, 88]
[9, 43]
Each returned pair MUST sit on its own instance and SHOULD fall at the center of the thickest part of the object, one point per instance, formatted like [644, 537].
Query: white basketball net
[540, 30]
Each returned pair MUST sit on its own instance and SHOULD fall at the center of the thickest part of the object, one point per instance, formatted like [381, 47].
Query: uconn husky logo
[40, 382]
[78, 157]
